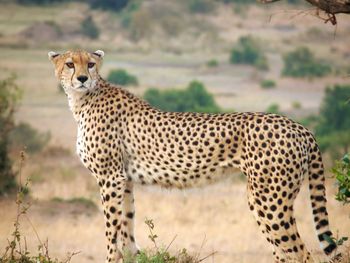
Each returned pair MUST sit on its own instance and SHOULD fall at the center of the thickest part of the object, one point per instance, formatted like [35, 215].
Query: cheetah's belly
[171, 176]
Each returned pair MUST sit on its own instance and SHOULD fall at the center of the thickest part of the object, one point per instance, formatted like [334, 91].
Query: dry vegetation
[172, 49]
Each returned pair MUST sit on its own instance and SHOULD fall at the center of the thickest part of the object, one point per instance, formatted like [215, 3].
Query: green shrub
[247, 51]
[140, 25]
[83, 201]
[296, 105]
[39, 2]
[212, 63]
[239, 1]
[160, 254]
[341, 172]
[122, 77]
[333, 128]
[17, 248]
[301, 63]
[9, 96]
[25, 136]
[335, 110]
[126, 14]
[114, 5]
[201, 6]
[267, 84]
[273, 108]
[89, 28]
[194, 98]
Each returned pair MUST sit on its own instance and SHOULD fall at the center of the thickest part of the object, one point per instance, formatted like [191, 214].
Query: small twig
[202, 245]
[71, 255]
[34, 229]
[171, 242]
[210, 255]
[297, 11]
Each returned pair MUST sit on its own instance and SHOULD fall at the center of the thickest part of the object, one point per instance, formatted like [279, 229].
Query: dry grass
[215, 218]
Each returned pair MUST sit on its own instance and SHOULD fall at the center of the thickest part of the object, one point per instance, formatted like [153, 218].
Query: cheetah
[123, 140]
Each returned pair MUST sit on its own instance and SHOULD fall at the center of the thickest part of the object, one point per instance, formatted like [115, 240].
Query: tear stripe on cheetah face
[72, 64]
[122, 140]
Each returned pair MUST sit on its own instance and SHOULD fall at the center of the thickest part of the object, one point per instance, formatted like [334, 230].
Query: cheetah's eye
[91, 64]
[70, 65]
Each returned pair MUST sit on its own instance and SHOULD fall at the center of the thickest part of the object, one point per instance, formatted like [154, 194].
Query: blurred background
[184, 55]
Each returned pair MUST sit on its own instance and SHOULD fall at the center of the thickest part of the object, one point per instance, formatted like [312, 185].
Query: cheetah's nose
[82, 78]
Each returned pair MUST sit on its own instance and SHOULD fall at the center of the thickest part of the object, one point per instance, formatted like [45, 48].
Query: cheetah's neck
[78, 101]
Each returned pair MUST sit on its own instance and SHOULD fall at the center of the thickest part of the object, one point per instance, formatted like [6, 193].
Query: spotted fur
[122, 140]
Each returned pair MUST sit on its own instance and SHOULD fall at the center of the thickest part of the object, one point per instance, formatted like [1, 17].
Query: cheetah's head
[77, 70]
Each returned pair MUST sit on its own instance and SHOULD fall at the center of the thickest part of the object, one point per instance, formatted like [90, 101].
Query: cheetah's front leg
[126, 238]
[113, 195]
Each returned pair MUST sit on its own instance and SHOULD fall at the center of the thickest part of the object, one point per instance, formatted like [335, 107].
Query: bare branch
[331, 7]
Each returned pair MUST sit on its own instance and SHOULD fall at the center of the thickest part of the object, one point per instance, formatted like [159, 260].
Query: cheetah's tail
[318, 198]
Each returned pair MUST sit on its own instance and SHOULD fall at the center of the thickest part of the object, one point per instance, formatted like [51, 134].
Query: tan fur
[80, 59]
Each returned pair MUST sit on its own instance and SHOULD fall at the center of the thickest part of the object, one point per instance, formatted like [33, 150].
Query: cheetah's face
[77, 70]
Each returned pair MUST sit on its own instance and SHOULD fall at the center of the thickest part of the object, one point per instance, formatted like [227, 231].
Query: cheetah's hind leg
[274, 215]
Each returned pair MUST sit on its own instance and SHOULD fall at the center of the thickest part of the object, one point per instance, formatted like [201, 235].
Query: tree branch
[331, 7]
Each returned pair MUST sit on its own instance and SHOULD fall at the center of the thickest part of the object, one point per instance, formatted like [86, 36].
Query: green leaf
[328, 239]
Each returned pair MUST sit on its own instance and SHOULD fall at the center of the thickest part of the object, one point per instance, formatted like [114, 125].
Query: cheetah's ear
[52, 55]
[99, 53]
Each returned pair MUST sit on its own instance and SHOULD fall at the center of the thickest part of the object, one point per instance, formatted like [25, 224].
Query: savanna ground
[65, 201]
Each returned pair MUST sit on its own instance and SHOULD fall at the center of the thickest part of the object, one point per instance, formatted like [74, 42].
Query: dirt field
[212, 219]
[65, 201]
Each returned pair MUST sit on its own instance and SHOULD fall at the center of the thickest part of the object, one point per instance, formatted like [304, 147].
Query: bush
[25, 136]
[247, 51]
[335, 110]
[194, 98]
[9, 96]
[89, 28]
[296, 105]
[160, 254]
[140, 24]
[212, 63]
[239, 1]
[17, 248]
[114, 5]
[126, 14]
[201, 6]
[341, 173]
[273, 108]
[39, 2]
[267, 84]
[301, 63]
[122, 77]
[333, 128]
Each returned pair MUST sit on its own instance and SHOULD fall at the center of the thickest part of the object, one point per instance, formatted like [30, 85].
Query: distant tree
[111, 5]
[247, 51]
[331, 8]
[39, 2]
[341, 172]
[273, 108]
[25, 136]
[122, 77]
[9, 95]
[194, 98]
[201, 6]
[301, 62]
[333, 129]
[89, 28]
[267, 84]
